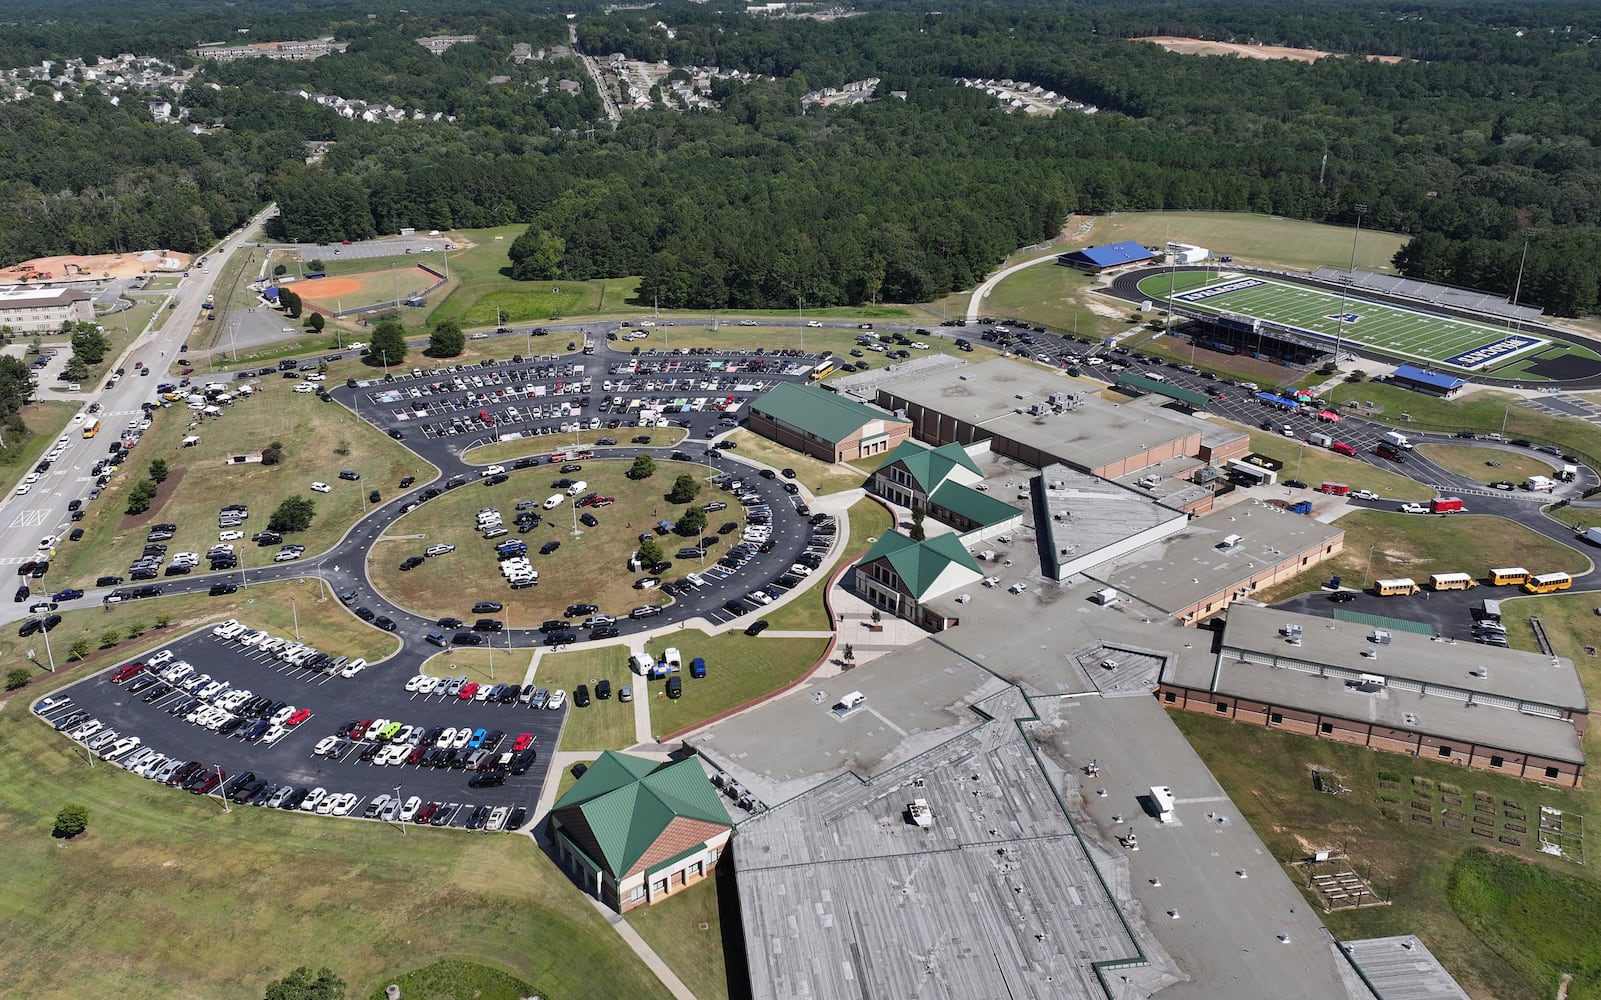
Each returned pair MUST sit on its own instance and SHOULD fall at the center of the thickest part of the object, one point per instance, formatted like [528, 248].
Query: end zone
[1497, 350]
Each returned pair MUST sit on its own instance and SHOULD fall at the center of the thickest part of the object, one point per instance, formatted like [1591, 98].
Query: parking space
[212, 702]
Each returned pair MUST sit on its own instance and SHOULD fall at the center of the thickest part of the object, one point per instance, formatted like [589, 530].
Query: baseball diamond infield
[347, 293]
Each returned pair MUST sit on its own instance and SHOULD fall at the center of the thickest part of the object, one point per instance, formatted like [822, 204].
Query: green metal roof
[1143, 384]
[980, 508]
[930, 467]
[826, 414]
[627, 802]
[1383, 622]
[919, 564]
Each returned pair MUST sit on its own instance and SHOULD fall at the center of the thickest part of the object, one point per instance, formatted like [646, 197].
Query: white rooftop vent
[1380, 637]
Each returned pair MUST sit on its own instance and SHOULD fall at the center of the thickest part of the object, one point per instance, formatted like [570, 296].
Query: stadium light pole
[1517, 288]
[1350, 274]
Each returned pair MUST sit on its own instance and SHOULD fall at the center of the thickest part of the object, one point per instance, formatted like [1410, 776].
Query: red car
[604, 502]
[126, 671]
[345, 242]
[187, 371]
[426, 813]
[359, 729]
[212, 781]
[468, 690]
[522, 742]
[301, 716]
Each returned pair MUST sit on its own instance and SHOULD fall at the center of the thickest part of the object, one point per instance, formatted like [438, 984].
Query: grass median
[319, 439]
[591, 567]
[545, 444]
[139, 626]
[822, 478]
[738, 669]
[167, 896]
[606, 724]
[1474, 462]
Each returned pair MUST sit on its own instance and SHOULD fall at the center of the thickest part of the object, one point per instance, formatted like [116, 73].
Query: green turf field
[1315, 311]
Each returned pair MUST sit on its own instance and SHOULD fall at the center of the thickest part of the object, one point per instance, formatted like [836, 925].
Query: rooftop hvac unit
[1380, 637]
[1059, 484]
[1289, 630]
[1024, 395]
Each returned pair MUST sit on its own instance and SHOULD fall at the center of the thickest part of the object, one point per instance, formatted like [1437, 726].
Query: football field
[1415, 334]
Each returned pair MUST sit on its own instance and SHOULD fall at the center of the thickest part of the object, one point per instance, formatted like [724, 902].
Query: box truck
[1398, 439]
[1319, 440]
[1540, 484]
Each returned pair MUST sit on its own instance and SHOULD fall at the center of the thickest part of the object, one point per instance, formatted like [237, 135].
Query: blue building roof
[1110, 255]
[1437, 380]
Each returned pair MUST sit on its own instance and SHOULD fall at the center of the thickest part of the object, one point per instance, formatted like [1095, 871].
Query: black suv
[486, 607]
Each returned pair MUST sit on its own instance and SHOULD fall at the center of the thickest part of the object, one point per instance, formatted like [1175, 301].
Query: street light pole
[1350, 275]
[1369, 571]
[399, 812]
[48, 654]
[294, 609]
[221, 784]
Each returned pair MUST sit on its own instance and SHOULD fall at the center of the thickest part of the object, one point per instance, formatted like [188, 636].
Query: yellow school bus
[1548, 583]
[1510, 577]
[91, 428]
[1402, 587]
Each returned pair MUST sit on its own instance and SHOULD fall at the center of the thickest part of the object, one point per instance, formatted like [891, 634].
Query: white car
[325, 744]
[446, 739]
[464, 735]
[408, 812]
[342, 804]
[492, 470]
[429, 685]
[321, 488]
[274, 734]
[23, 489]
[283, 714]
[813, 324]
[47, 542]
[558, 697]
[313, 799]
[415, 684]
[1365, 495]
[230, 536]
[303, 387]
[315, 377]
[352, 669]
[497, 819]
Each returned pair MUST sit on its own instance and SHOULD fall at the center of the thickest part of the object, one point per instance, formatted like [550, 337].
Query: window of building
[1326, 727]
[636, 894]
[1222, 707]
[1276, 718]
[1551, 773]
[1496, 761]
[659, 886]
[1444, 751]
[1170, 696]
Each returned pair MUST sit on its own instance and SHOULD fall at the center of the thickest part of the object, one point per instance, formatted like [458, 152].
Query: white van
[673, 659]
[577, 488]
[553, 501]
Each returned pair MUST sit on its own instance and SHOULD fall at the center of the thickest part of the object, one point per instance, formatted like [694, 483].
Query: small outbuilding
[1107, 256]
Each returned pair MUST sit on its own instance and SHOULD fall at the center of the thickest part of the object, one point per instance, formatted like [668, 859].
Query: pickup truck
[1414, 508]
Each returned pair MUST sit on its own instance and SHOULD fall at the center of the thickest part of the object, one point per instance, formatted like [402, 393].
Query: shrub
[18, 677]
[71, 821]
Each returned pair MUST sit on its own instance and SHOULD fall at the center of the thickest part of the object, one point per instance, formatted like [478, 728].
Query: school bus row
[1534, 583]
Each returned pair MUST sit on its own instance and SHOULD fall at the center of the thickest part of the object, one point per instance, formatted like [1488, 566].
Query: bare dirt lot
[77, 267]
[1204, 47]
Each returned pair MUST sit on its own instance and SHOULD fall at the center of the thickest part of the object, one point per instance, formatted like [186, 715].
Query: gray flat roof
[841, 895]
[917, 697]
[1093, 434]
[1395, 708]
[1222, 930]
[1401, 968]
[1035, 639]
[1174, 490]
[1190, 566]
[1510, 673]
[1087, 515]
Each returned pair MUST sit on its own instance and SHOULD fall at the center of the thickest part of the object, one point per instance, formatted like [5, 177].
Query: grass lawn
[738, 669]
[323, 620]
[1314, 466]
[868, 520]
[452, 979]
[1415, 545]
[1059, 297]
[731, 337]
[592, 567]
[313, 433]
[1255, 239]
[168, 896]
[480, 663]
[568, 780]
[606, 724]
[1469, 461]
[1267, 774]
[506, 451]
[1577, 518]
[45, 420]
[818, 476]
[686, 930]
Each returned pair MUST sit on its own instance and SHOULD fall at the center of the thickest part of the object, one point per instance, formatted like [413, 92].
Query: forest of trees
[1482, 139]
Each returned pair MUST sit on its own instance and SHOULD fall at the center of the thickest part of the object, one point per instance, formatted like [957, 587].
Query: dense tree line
[1488, 129]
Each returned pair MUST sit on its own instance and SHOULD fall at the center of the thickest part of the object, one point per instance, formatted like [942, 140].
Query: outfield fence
[417, 298]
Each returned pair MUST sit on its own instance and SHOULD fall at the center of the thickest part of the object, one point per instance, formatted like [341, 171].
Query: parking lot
[137, 706]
